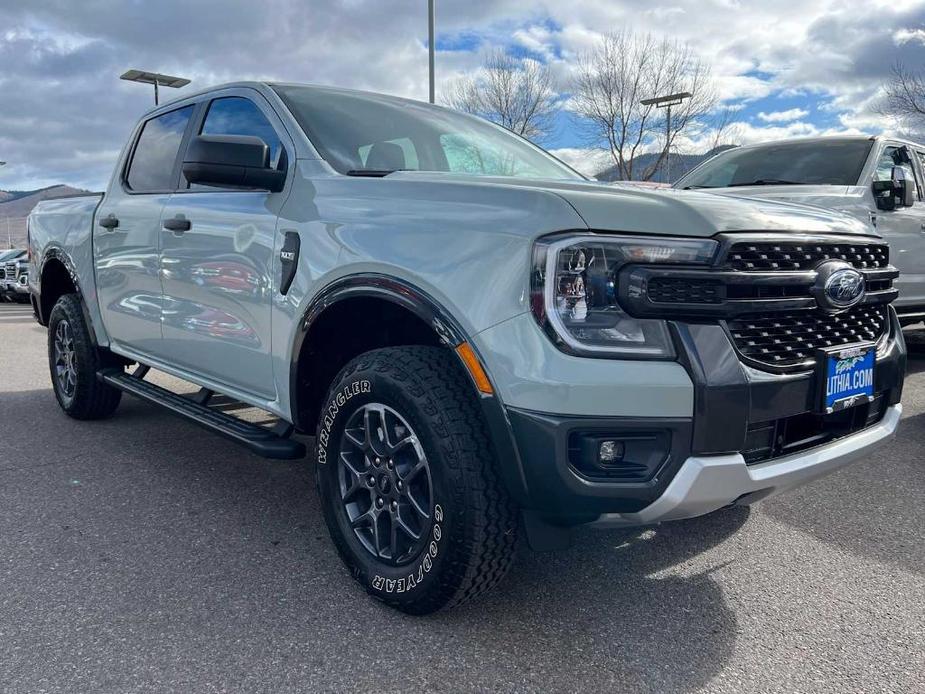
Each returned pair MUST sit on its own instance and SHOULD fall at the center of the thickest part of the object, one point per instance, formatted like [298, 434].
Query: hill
[15, 206]
[680, 165]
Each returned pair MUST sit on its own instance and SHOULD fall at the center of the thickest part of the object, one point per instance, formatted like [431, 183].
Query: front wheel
[74, 361]
[408, 480]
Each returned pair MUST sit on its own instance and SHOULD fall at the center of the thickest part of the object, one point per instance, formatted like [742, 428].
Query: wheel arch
[57, 276]
[361, 291]
[414, 314]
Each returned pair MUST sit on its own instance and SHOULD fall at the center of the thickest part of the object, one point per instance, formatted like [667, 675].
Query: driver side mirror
[240, 161]
[899, 191]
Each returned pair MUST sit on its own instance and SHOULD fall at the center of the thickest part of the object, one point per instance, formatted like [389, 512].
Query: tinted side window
[156, 152]
[236, 115]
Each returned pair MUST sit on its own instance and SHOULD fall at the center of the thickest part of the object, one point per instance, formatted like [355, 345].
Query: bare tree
[905, 96]
[622, 70]
[725, 130]
[515, 93]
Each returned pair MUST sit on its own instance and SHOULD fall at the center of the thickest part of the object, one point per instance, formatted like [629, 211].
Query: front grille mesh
[746, 256]
[790, 338]
[673, 290]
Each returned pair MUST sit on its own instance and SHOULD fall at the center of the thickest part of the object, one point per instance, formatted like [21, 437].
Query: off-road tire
[90, 397]
[473, 522]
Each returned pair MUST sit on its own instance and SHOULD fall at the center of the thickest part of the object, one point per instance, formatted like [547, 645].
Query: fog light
[611, 451]
[627, 456]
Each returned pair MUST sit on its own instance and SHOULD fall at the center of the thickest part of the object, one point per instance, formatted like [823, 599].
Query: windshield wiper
[696, 187]
[372, 173]
[768, 182]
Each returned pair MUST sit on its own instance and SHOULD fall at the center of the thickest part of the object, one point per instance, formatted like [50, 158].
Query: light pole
[154, 78]
[431, 21]
[667, 102]
[9, 234]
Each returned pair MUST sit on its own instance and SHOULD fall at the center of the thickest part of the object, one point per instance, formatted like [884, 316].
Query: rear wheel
[408, 480]
[74, 361]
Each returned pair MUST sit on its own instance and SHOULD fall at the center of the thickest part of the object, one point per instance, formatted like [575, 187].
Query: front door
[216, 275]
[904, 229]
[127, 234]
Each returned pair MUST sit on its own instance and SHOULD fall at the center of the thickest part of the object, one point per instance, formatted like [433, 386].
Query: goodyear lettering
[427, 563]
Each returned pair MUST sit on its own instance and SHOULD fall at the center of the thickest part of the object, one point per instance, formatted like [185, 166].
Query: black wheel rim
[385, 484]
[65, 359]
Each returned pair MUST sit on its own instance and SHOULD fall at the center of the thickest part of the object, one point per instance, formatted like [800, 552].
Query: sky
[788, 68]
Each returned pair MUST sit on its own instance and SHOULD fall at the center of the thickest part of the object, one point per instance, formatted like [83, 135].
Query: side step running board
[268, 443]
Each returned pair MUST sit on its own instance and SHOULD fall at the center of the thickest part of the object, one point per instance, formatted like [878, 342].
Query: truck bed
[67, 225]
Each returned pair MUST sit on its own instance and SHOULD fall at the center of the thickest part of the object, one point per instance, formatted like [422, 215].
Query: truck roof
[263, 86]
[834, 138]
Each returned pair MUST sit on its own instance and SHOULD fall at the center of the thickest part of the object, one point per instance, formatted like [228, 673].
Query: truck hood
[849, 199]
[605, 207]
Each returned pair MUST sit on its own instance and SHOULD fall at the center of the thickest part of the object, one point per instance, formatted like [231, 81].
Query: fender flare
[450, 333]
[59, 254]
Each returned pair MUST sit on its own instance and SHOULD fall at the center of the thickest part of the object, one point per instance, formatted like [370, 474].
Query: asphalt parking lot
[143, 554]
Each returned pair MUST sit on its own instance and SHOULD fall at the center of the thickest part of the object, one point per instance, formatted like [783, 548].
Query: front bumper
[706, 484]
[711, 459]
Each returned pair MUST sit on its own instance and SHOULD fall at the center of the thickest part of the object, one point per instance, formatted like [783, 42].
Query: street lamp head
[667, 100]
[155, 78]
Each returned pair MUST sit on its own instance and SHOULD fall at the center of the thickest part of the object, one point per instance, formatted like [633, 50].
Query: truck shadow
[873, 509]
[161, 523]
[605, 610]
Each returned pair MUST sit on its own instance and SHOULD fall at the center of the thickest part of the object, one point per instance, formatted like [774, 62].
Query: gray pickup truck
[14, 275]
[881, 179]
[482, 341]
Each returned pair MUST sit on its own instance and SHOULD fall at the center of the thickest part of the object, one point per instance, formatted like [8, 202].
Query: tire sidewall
[416, 579]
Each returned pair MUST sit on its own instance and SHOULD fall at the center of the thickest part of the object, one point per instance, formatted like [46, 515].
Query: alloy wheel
[65, 359]
[385, 484]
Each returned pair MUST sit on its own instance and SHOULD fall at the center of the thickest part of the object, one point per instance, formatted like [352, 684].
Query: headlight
[575, 291]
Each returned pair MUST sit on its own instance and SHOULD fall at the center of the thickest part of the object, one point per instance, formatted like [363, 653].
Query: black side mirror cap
[239, 161]
[899, 191]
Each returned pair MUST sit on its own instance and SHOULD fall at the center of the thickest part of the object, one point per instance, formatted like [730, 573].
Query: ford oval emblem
[844, 288]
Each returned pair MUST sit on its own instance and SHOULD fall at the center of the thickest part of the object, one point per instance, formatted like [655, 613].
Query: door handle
[109, 222]
[179, 224]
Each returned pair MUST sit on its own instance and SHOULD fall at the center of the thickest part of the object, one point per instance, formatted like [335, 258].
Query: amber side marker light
[471, 361]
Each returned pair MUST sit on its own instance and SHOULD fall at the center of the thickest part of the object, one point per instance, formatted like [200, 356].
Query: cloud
[64, 115]
[783, 116]
[906, 35]
[587, 161]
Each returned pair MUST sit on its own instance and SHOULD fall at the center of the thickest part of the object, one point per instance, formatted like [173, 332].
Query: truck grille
[790, 339]
[753, 257]
[677, 290]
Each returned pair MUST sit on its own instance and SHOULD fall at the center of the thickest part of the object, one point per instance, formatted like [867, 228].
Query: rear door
[904, 229]
[127, 233]
[217, 276]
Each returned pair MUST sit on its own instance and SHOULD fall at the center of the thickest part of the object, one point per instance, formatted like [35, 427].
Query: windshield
[836, 162]
[365, 134]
